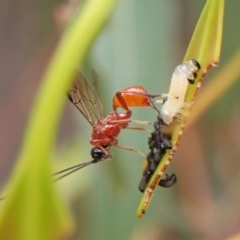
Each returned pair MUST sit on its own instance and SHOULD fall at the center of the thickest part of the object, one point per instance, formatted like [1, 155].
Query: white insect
[183, 75]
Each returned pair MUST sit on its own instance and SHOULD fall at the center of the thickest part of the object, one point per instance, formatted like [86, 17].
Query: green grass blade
[214, 91]
[205, 47]
[32, 209]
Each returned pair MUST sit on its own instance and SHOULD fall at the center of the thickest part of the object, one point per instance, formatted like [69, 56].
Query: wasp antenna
[72, 169]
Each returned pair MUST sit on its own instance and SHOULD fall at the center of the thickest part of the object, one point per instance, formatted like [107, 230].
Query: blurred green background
[141, 45]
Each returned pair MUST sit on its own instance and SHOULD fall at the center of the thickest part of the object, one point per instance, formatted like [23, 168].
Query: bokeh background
[141, 45]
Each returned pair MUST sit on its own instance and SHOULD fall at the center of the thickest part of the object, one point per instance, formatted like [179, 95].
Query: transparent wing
[97, 98]
[86, 99]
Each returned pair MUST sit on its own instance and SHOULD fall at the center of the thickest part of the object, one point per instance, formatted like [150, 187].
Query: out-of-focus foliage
[141, 45]
[33, 209]
[214, 90]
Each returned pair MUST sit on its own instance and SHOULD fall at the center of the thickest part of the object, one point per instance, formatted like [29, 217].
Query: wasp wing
[86, 100]
[97, 98]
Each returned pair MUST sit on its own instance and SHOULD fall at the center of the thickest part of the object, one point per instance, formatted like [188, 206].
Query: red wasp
[106, 129]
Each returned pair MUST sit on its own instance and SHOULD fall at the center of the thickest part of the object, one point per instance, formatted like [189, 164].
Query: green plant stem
[33, 209]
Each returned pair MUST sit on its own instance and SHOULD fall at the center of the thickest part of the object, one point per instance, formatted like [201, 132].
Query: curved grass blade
[214, 91]
[33, 209]
[205, 47]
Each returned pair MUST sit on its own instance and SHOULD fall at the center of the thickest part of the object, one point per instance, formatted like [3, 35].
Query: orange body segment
[135, 96]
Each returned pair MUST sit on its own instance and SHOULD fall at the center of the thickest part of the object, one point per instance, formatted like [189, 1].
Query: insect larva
[158, 144]
[184, 73]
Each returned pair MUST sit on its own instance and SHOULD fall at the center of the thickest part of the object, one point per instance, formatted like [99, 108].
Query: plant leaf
[204, 47]
[33, 209]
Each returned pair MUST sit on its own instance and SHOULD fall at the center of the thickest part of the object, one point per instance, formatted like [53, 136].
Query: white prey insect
[184, 74]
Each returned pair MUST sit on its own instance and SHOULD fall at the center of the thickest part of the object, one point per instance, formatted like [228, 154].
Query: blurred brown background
[141, 45]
